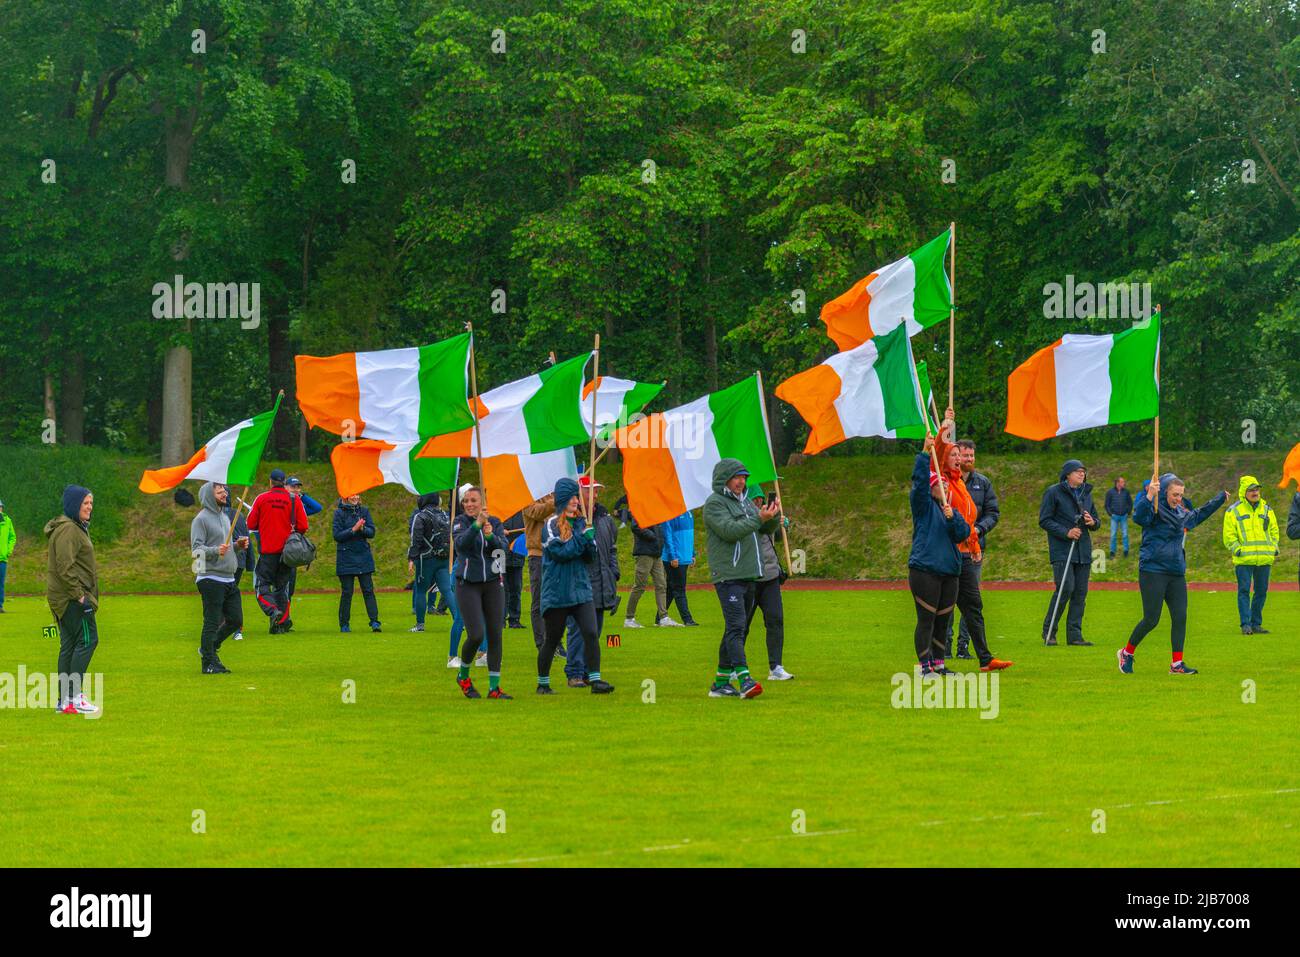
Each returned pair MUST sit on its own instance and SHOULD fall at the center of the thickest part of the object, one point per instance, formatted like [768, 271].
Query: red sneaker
[498, 693]
[467, 688]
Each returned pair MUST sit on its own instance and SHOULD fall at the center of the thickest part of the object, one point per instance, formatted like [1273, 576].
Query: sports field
[286, 773]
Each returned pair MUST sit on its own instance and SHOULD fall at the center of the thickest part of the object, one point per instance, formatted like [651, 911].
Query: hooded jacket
[430, 530]
[1293, 518]
[1061, 510]
[353, 555]
[245, 559]
[209, 530]
[934, 537]
[1251, 532]
[733, 527]
[647, 541]
[71, 572]
[477, 558]
[7, 537]
[679, 540]
[1164, 528]
[565, 578]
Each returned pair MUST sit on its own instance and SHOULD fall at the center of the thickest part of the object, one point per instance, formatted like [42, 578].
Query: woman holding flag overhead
[934, 566]
[1162, 564]
[480, 550]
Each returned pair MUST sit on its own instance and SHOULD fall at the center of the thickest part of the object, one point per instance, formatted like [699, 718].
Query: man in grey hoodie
[216, 560]
[734, 525]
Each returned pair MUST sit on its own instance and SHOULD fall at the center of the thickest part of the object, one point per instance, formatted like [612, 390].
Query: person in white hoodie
[215, 562]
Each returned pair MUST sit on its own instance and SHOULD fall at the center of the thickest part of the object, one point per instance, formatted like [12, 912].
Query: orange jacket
[959, 498]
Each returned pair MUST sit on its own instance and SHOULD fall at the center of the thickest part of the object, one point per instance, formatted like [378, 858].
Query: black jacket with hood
[1061, 510]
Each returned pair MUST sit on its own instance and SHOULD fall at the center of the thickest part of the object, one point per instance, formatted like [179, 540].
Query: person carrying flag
[480, 560]
[1162, 565]
[934, 564]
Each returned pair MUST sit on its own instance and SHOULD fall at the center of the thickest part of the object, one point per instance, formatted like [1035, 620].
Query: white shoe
[632, 623]
[453, 661]
[666, 622]
[83, 706]
[779, 674]
[481, 660]
[238, 636]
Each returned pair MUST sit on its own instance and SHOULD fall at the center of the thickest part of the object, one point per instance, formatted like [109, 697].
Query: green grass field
[411, 774]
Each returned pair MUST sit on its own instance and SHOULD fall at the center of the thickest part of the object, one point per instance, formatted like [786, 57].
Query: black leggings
[1158, 589]
[482, 608]
[935, 596]
[554, 620]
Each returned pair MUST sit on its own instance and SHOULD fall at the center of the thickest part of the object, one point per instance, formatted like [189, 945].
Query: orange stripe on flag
[160, 480]
[328, 392]
[356, 465]
[453, 445]
[847, 316]
[1291, 468]
[507, 489]
[654, 493]
[813, 393]
[1031, 396]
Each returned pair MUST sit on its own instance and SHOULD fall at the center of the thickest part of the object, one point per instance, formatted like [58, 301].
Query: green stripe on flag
[739, 429]
[432, 475]
[443, 378]
[249, 446]
[897, 377]
[553, 415]
[1134, 394]
[932, 299]
[636, 399]
[918, 431]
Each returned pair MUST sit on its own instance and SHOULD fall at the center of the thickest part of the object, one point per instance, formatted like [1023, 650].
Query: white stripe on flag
[861, 403]
[893, 298]
[219, 452]
[609, 400]
[689, 436]
[389, 387]
[1082, 382]
[542, 470]
[395, 466]
[504, 428]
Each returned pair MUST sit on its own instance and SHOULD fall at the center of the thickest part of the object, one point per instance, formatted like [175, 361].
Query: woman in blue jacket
[568, 544]
[1162, 564]
[678, 557]
[934, 564]
[353, 561]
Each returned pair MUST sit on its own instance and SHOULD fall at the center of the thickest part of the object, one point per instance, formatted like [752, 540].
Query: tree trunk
[781, 446]
[51, 415]
[72, 393]
[280, 375]
[177, 427]
[302, 439]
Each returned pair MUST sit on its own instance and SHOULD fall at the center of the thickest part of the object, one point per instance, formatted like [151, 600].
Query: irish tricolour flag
[395, 395]
[366, 463]
[913, 291]
[869, 390]
[230, 458]
[1079, 382]
[668, 457]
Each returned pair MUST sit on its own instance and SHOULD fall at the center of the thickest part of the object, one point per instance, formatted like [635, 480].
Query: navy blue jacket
[565, 578]
[353, 556]
[477, 558]
[934, 538]
[1163, 529]
[1060, 511]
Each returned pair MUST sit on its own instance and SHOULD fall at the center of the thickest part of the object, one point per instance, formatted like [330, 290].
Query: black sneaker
[1247, 630]
[375, 627]
[286, 626]
[964, 652]
[1081, 643]
[545, 689]
[1256, 630]
[601, 686]
[275, 629]
[221, 667]
[1181, 668]
[1050, 641]
[690, 623]
[723, 691]
[750, 688]
[212, 668]
[513, 624]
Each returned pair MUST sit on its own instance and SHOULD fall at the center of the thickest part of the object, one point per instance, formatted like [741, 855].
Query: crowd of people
[470, 565]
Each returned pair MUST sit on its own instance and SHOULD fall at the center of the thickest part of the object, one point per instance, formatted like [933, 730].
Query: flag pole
[451, 535]
[235, 521]
[478, 431]
[952, 307]
[776, 479]
[1156, 466]
[589, 507]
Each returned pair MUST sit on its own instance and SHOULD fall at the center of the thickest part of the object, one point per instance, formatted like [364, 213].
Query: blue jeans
[1251, 612]
[4, 566]
[575, 666]
[1118, 523]
[429, 571]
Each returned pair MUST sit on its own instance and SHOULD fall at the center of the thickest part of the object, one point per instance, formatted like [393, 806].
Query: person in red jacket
[274, 516]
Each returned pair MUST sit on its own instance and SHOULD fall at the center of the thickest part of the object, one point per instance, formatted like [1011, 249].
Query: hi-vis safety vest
[1251, 534]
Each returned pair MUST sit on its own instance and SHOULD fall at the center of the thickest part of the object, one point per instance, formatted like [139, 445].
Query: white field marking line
[1116, 807]
[685, 842]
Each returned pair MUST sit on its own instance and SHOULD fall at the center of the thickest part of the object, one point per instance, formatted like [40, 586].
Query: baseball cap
[294, 480]
[277, 475]
[584, 481]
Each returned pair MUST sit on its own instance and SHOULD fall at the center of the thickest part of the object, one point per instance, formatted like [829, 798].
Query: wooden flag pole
[451, 535]
[478, 430]
[590, 505]
[952, 308]
[1155, 470]
[235, 521]
[776, 479]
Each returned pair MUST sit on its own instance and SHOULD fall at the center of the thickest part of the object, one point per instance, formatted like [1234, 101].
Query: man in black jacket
[1119, 503]
[1293, 519]
[1067, 515]
[515, 562]
[647, 550]
[987, 514]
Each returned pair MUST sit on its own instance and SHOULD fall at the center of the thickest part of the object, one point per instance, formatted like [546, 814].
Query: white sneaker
[83, 706]
[481, 660]
[632, 623]
[666, 622]
[238, 636]
[453, 661]
[779, 674]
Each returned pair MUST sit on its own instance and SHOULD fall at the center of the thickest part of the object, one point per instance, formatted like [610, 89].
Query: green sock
[593, 675]
[494, 680]
[463, 673]
[722, 678]
[544, 680]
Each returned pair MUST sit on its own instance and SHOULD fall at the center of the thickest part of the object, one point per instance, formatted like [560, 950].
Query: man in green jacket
[735, 564]
[72, 591]
[1251, 533]
[7, 539]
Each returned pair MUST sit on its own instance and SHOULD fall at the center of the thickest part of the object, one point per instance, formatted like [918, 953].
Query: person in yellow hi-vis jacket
[1251, 533]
